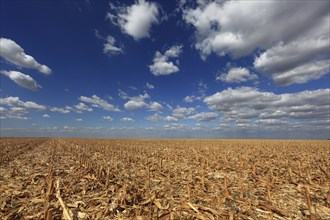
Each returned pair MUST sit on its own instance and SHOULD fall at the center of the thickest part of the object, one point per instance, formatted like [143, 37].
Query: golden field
[44, 178]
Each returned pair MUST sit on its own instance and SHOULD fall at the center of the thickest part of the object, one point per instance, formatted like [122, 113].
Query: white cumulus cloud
[99, 103]
[125, 119]
[303, 73]
[135, 20]
[15, 54]
[237, 75]
[296, 62]
[18, 109]
[189, 99]
[248, 103]
[16, 102]
[139, 102]
[155, 106]
[204, 116]
[108, 118]
[135, 104]
[46, 116]
[170, 119]
[82, 107]
[22, 80]
[162, 65]
[290, 43]
[60, 110]
[239, 27]
[155, 117]
[182, 112]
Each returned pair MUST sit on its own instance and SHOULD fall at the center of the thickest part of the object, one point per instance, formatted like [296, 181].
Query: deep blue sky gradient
[61, 34]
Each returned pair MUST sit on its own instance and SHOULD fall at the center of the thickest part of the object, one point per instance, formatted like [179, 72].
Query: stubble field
[43, 178]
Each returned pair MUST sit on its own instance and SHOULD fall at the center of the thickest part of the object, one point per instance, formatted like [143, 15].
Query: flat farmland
[44, 178]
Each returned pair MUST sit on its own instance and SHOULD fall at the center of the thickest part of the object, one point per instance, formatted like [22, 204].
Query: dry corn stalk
[269, 196]
[58, 195]
[240, 186]
[309, 204]
[203, 178]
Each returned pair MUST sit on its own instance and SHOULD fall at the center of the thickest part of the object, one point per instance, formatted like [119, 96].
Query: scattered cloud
[99, 103]
[182, 112]
[237, 75]
[201, 93]
[122, 94]
[150, 86]
[65, 110]
[284, 57]
[22, 80]
[16, 102]
[125, 119]
[170, 119]
[162, 65]
[18, 109]
[155, 117]
[204, 116]
[78, 119]
[139, 102]
[82, 107]
[110, 47]
[155, 106]
[10, 115]
[133, 88]
[249, 103]
[46, 116]
[108, 118]
[296, 62]
[98, 35]
[177, 130]
[13, 113]
[168, 106]
[135, 20]
[15, 54]
[135, 104]
[175, 127]
[69, 128]
[202, 87]
[303, 73]
[271, 122]
[190, 99]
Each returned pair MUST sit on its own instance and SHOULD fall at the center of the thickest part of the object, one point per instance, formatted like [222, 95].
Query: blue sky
[177, 69]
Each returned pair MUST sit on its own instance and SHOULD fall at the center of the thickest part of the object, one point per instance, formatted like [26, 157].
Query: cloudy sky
[181, 69]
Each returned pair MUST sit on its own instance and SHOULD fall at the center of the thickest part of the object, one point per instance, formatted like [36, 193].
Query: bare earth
[43, 178]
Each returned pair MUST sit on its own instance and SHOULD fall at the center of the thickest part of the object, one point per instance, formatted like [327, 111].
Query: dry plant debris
[162, 179]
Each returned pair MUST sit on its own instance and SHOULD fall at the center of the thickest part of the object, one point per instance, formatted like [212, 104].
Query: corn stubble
[163, 179]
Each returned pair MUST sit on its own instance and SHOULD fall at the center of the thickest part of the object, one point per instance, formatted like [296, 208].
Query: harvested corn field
[164, 179]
